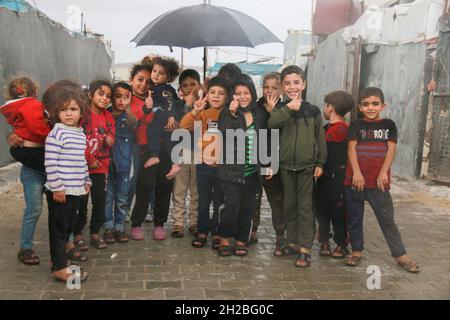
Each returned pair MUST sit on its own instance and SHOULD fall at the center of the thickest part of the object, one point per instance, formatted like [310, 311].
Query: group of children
[115, 144]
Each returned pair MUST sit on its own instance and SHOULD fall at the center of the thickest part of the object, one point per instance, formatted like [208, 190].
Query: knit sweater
[65, 161]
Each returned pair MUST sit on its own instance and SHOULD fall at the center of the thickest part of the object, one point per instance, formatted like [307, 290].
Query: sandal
[353, 261]
[121, 237]
[238, 248]
[287, 250]
[409, 266]
[109, 236]
[215, 244]
[325, 249]
[83, 276]
[82, 245]
[340, 252]
[303, 260]
[193, 230]
[224, 251]
[28, 257]
[199, 242]
[75, 255]
[98, 243]
[177, 234]
[279, 245]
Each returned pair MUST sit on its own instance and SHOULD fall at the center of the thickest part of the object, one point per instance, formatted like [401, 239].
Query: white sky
[120, 21]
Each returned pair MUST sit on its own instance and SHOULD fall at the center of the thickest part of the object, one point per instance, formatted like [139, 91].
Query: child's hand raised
[199, 105]
[149, 100]
[295, 103]
[271, 102]
[234, 105]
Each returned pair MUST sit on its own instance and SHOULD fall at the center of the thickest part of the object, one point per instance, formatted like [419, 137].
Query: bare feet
[173, 171]
[151, 162]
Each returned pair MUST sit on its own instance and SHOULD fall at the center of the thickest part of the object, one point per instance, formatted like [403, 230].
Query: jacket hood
[246, 80]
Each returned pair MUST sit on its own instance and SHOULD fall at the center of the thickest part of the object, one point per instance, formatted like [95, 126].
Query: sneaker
[137, 234]
[159, 234]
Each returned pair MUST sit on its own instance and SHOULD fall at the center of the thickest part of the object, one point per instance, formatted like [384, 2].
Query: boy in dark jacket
[330, 195]
[240, 179]
[270, 101]
[302, 155]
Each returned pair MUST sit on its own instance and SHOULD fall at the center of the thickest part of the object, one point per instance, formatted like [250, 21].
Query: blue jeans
[33, 189]
[209, 190]
[116, 207]
[133, 178]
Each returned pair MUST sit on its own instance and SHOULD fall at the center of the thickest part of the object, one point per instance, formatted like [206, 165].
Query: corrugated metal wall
[439, 156]
[37, 47]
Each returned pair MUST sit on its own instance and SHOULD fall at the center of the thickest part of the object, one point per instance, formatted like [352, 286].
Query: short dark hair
[293, 69]
[222, 82]
[272, 75]
[122, 85]
[139, 67]
[189, 73]
[342, 102]
[369, 92]
[230, 71]
[97, 84]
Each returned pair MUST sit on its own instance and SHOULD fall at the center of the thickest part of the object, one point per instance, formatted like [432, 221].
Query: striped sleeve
[52, 153]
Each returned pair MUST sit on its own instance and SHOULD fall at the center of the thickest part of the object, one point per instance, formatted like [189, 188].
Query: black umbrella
[204, 26]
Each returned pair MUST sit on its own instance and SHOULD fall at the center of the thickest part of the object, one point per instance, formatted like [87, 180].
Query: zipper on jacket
[295, 144]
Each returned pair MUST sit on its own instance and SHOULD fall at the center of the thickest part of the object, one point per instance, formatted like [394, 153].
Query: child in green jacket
[302, 155]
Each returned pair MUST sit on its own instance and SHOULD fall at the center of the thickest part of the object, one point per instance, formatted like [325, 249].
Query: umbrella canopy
[204, 26]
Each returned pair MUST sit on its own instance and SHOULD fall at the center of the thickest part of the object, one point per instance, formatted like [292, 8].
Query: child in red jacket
[27, 116]
[100, 132]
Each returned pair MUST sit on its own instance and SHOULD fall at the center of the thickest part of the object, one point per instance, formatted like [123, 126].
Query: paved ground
[172, 269]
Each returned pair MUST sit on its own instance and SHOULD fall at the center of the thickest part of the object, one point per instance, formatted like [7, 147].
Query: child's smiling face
[70, 114]
[217, 97]
[140, 83]
[371, 107]
[243, 95]
[159, 75]
[101, 98]
[293, 85]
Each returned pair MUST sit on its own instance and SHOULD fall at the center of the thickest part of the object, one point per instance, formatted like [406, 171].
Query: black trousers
[62, 218]
[153, 177]
[98, 198]
[274, 192]
[235, 219]
[330, 209]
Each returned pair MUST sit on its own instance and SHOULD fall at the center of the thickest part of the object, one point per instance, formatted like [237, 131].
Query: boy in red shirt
[372, 144]
[330, 196]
